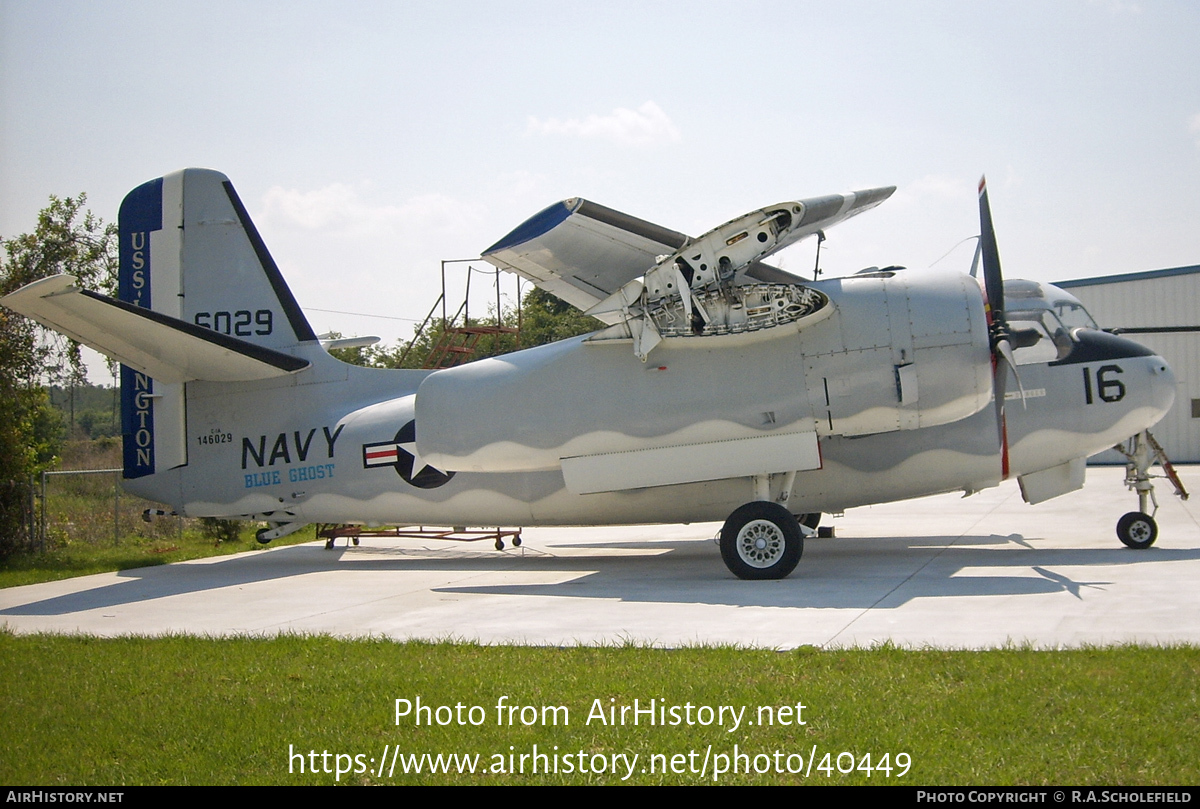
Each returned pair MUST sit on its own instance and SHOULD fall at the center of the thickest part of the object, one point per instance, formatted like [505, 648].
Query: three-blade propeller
[1000, 333]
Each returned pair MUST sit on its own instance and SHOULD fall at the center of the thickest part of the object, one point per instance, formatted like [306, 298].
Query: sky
[372, 140]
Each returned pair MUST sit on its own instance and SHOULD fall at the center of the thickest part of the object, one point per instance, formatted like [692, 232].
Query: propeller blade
[993, 280]
[1004, 348]
[993, 284]
[999, 384]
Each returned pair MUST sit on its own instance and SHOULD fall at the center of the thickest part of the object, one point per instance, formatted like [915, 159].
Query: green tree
[544, 318]
[90, 410]
[67, 239]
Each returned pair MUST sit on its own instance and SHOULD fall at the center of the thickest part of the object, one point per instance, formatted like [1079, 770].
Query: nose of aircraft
[1162, 385]
[1098, 346]
[1162, 378]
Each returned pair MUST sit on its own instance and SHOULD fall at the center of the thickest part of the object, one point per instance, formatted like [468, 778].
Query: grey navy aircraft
[720, 388]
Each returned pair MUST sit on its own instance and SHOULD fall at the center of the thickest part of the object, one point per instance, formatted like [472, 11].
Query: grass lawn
[183, 710]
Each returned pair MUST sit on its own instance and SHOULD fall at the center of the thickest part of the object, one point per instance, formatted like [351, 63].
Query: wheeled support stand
[351, 533]
[1137, 529]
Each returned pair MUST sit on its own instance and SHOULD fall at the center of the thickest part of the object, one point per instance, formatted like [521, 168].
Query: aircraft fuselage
[894, 385]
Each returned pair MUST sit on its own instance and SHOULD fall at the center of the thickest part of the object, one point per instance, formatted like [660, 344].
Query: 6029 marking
[242, 323]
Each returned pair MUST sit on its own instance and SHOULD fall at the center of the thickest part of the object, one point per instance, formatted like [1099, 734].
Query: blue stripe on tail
[141, 214]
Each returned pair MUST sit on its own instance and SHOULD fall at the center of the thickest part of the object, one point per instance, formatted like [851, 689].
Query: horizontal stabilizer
[161, 346]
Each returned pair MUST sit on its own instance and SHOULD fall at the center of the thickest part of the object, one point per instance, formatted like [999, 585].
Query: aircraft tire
[810, 520]
[761, 540]
[1137, 530]
[258, 535]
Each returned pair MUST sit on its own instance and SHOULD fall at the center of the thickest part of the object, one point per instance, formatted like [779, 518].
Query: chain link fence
[88, 505]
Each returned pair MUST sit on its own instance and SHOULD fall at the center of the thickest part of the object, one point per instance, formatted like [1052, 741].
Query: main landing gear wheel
[1137, 530]
[761, 540]
[812, 520]
[258, 535]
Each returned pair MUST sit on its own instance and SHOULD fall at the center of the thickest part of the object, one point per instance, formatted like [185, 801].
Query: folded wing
[584, 252]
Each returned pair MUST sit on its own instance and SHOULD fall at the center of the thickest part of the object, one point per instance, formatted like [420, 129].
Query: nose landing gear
[1137, 529]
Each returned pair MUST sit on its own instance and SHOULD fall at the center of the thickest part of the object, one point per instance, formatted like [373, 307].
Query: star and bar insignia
[401, 453]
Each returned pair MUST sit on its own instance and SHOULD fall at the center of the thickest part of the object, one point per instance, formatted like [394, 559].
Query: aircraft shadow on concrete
[860, 574]
[849, 573]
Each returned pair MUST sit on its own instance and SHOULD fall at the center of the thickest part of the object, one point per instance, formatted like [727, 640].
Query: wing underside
[582, 251]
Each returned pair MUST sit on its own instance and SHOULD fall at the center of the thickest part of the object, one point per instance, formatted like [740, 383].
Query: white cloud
[646, 125]
[1194, 127]
[340, 208]
[523, 186]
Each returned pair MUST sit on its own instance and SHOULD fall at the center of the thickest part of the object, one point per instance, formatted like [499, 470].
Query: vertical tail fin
[189, 250]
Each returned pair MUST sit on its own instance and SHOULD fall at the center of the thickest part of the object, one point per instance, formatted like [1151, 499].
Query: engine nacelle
[910, 350]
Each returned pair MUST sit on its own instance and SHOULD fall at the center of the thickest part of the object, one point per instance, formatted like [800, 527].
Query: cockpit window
[1073, 315]
[1055, 337]
[1031, 296]
[1020, 289]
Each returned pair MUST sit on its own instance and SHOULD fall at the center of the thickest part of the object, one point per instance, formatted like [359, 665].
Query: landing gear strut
[1137, 529]
[811, 520]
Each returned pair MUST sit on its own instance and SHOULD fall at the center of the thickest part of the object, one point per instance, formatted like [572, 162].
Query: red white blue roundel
[401, 453]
